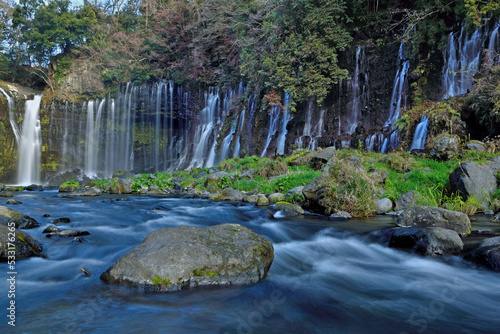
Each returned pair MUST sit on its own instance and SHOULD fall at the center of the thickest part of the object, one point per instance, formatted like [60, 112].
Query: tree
[476, 10]
[305, 38]
[52, 28]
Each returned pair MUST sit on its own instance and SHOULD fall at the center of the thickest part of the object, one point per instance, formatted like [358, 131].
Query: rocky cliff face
[162, 126]
[166, 127]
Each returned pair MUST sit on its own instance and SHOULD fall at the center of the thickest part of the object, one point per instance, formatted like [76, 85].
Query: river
[327, 277]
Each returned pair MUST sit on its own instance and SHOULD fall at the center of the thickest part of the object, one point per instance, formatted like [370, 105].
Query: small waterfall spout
[30, 144]
[420, 135]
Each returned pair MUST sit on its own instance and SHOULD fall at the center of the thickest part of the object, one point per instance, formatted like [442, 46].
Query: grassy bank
[404, 172]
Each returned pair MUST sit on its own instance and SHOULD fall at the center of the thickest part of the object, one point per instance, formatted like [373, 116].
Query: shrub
[350, 190]
[273, 168]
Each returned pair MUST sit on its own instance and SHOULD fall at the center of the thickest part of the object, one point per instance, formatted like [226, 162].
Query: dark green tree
[51, 28]
[305, 38]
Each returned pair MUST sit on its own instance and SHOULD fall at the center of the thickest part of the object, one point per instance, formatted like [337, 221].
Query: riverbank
[326, 274]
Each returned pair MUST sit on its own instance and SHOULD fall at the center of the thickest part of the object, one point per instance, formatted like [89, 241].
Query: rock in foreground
[428, 216]
[8, 216]
[429, 241]
[172, 259]
[24, 245]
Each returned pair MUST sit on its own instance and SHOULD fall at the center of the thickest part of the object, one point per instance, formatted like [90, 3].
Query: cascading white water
[30, 144]
[461, 62]
[398, 98]
[273, 127]
[202, 157]
[398, 101]
[311, 132]
[10, 106]
[237, 144]
[420, 136]
[287, 116]
[375, 140]
[359, 93]
[226, 142]
[494, 45]
[93, 137]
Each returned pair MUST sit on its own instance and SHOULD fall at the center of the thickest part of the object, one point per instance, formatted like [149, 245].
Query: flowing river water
[327, 277]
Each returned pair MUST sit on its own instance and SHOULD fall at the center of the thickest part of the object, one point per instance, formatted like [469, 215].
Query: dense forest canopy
[274, 45]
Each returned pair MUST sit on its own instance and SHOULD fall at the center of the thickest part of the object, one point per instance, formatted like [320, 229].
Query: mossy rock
[184, 257]
[24, 245]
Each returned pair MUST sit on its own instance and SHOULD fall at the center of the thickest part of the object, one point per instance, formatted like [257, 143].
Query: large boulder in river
[427, 241]
[8, 216]
[184, 257]
[428, 216]
[487, 254]
[473, 179]
[24, 245]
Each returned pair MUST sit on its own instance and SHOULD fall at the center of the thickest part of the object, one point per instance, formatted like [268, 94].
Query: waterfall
[237, 144]
[30, 144]
[202, 157]
[418, 142]
[311, 133]
[93, 137]
[398, 100]
[273, 127]
[358, 89]
[374, 141]
[398, 92]
[462, 62]
[280, 143]
[493, 45]
[10, 106]
[226, 143]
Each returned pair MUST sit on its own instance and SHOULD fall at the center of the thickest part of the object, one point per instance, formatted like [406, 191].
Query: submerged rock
[172, 259]
[63, 220]
[287, 209]
[340, 215]
[487, 254]
[427, 241]
[66, 234]
[13, 202]
[24, 245]
[84, 192]
[428, 216]
[51, 229]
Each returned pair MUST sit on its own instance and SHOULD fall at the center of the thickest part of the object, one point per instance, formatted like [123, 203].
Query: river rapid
[327, 277]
